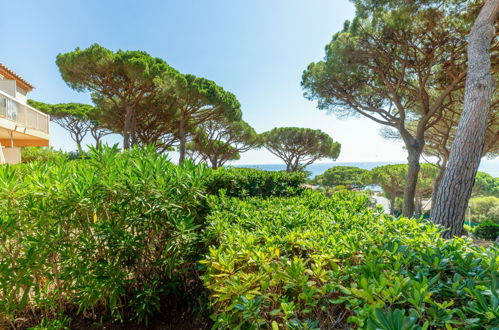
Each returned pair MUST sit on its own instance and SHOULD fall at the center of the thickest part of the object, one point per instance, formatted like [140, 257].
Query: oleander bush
[244, 182]
[106, 236]
[314, 261]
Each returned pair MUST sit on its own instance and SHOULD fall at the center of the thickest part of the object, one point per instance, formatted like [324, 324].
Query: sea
[490, 166]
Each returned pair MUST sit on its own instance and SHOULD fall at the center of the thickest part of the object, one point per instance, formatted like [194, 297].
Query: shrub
[108, 235]
[483, 208]
[316, 261]
[32, 154]
[486, 185]
[487, 230]
[348, 176]
[243, 182]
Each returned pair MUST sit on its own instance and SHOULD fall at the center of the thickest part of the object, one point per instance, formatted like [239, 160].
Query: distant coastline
[488, 166]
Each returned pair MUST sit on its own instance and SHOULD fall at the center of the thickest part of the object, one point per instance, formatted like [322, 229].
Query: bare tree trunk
[418, 207]
[412, 180]
[393, 198]
[466, 151]
[438, 180]
[183, 141]
[78, 145]
[127, 128]
[97, 142]
[133, 130]
[96, 136]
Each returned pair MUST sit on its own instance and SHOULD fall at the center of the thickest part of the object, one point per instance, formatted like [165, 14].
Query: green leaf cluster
[245, 182]
[348, 176]
[484, 208]
[314, 261]
[487, 229]
[486, 185]
[299, 147]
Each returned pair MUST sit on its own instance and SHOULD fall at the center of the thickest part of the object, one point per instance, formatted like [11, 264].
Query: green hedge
[108, 235]
[244, 182]
[330, 262]
[487, 230]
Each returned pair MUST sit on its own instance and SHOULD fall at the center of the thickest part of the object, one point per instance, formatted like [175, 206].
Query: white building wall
[9, 87]
[21, 94]
[12, 155]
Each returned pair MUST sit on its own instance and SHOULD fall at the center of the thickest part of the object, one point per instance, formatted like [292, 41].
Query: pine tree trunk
[466, 151]
[127, 127]
[438, 180]
[133, 130]
[392, 203]
[412, 180]
[183, 141]
[78, 145]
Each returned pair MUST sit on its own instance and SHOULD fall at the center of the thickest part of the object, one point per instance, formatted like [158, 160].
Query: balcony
[22, 125]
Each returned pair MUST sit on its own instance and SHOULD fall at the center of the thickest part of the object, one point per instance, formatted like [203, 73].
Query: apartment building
[20, 124]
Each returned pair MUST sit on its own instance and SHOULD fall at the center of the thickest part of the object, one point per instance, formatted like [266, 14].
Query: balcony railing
[23, 114]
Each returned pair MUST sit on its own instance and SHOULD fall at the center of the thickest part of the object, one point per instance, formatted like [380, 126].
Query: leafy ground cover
[318, 262]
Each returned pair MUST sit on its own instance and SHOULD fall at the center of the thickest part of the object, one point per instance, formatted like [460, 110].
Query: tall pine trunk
[412, 179]
[127, 127]
[133, 129]
[183, 141]
[393, 198]
[438, 180]
[466, 151]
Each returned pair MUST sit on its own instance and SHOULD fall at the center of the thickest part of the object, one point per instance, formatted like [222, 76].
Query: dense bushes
[39, 154]
[107, 235]
[487, 230]
[348, 176]
[485, 208]
[313, 261]
[242, 182]
[110, 235]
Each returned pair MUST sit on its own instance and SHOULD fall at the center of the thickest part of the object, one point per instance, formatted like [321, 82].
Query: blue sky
[256, 49]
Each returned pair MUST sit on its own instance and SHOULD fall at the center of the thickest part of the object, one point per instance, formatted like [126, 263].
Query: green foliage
[106, 235]
[487, 230]
[121, 78]
[84, 70]
[300, 147]
[392, 178]
[308, 261]
[349, 176]
[197, 100]
[486, 185]
[244, 182]
[222, 140]
[40, 154]
[484, 208]
[396, 320]
[62, 110]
